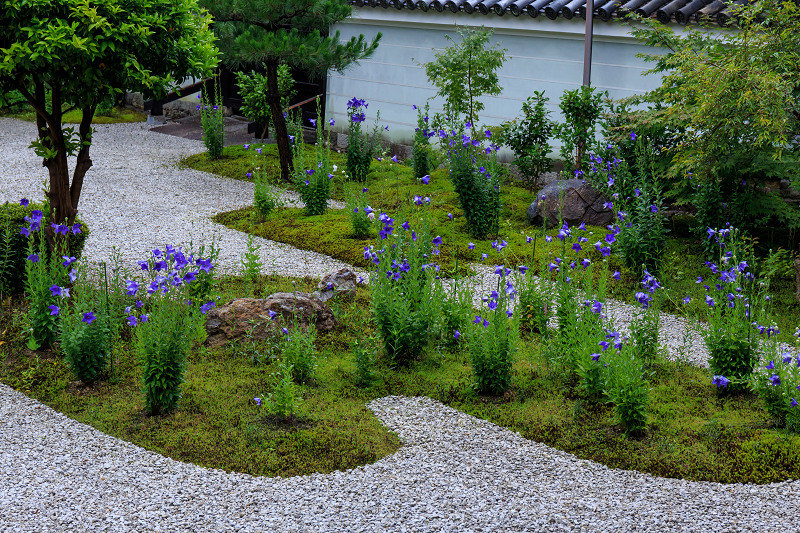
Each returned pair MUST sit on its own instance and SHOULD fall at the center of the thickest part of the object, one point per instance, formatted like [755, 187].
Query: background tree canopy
[68, 54]
[252, 33]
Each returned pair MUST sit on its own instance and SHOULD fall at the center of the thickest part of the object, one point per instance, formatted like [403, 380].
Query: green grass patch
[115, 116]
[692, 433]
[237, 161]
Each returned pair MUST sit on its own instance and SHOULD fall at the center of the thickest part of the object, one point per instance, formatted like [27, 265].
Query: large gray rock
[580, 203]
[340, 282]
[244, 316]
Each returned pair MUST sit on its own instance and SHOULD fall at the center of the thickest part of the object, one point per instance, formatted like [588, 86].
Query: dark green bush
[14, 245]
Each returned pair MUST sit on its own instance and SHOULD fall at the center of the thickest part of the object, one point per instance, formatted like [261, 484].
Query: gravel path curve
[454, 472]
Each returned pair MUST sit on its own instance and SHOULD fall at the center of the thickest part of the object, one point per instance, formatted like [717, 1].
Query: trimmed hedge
[14, 245]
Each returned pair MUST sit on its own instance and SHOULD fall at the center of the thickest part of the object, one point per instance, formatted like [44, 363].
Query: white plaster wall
[543, 55]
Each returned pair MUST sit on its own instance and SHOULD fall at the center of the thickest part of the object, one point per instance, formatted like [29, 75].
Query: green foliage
[737, 307]
[736, 95]
[638, 202]
[529, 138]
[361, 214]
[205, 283]
[535, 307]
[313, 177]
[299, 353]
[776, 383]
[254, 88]
[364, 357]
[465, 71]
[251, 264]
[492, 344]
[291, 32]
[212, 118]
[14, 245]
[86, 344]
[86, 53]
[581, 108]
[406, 296]
[163, 342]
[421, 156]
[44, 280]
[285, 397]
[361, 147]
[628, 392]
[456, 313]
[476, 180]
[732, 357]
[645, 329]
[265, 198]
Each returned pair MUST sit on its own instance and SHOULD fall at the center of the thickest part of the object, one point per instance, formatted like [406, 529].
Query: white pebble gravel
[454, 472]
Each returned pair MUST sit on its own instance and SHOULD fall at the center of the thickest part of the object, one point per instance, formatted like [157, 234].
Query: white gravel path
[454, 472]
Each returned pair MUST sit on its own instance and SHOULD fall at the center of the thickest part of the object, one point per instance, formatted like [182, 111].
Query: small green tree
[292, 32]
[74, 54]
[582, 108]
[466, 71]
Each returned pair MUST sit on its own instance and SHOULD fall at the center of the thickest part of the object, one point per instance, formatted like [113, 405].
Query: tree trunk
[62, 196]
[278, 120]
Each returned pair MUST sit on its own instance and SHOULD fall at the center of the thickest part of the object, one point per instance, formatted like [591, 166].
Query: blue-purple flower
[720, 381]
[89, 317]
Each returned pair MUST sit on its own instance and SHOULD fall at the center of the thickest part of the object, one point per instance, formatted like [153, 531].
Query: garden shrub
[166, 323]
[14, 245]
[776, 383]
[627, 391]
[727, 142]
[529, 138]
[284, 398]
[361, 214]
[465, 71]
[364, 359]
[265, 199]
[637, 201]
[313, 177]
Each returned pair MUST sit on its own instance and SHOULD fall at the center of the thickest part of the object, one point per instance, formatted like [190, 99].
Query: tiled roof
[680, 11]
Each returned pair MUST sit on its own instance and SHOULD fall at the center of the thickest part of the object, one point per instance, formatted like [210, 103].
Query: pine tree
[251, 33]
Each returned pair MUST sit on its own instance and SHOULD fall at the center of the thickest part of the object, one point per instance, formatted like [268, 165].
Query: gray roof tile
[665, 11]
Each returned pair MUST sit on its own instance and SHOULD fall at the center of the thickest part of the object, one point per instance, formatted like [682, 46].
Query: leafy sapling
[251, 264]
[299, 352]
